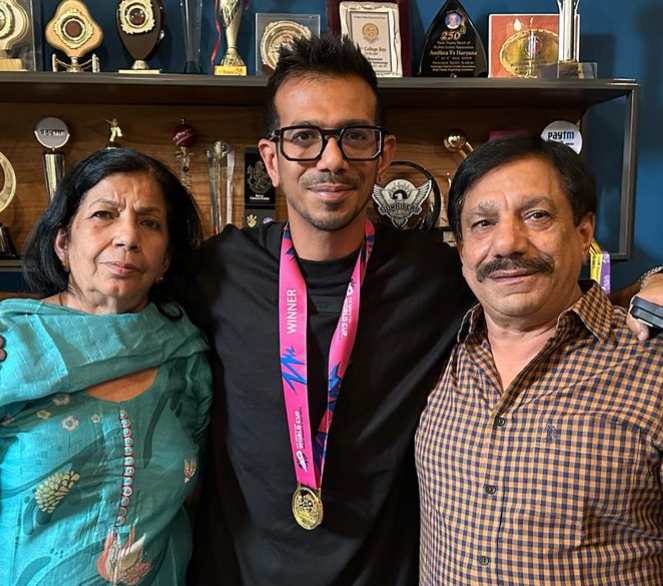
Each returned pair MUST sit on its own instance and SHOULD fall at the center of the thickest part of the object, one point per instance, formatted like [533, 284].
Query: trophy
[52, 133]
[139, 26]
[192, 15]
[115, 133]
[184, 137]
[275, 30]
[230, 12]
[221, 166]
[456, 142]
[259, 192]
[14, 27]
[453, 47]
[568, 66]
[7, 192]
[73, 31]
[410, 199]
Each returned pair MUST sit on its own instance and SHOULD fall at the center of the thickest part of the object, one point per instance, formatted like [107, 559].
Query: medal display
[307, 507]
[309, 453]
[73, 31]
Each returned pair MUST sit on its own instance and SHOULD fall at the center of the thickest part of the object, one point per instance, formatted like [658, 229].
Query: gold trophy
[456, 142]
[14, 26]
[75, 33]
[231, 15]
[7, 192]
[53, 134]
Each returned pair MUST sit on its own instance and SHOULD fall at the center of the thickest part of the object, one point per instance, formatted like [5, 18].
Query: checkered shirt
[556, 480]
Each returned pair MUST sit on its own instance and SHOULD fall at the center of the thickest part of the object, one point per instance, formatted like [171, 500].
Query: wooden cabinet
[420, 111]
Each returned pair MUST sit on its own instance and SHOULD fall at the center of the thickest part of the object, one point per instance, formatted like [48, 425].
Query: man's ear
[585, 230]
[269, 153]
[387, 156]
[60, 246]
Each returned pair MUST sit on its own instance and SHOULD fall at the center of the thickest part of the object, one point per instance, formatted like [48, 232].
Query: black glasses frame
[277, 136]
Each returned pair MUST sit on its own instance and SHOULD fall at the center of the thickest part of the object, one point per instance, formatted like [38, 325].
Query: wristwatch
[642, 281]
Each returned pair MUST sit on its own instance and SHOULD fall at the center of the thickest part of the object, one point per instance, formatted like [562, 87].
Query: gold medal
[307, 507]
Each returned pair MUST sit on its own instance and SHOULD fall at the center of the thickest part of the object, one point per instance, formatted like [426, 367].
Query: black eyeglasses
[307, 143]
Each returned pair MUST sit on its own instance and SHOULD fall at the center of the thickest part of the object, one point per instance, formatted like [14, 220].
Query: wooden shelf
[172, 89]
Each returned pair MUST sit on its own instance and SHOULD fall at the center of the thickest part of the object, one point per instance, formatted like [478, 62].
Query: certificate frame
[344, 15]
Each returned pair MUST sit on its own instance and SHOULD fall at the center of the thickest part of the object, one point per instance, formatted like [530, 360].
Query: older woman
[105, 388]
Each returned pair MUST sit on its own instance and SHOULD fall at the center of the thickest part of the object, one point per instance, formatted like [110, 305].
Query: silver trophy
[192, 15]
[221, 166]
[567, 65]
[231, 15]
[52, 133]
[7, 192]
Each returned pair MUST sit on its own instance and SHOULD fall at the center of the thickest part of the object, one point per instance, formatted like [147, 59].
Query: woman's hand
[3, 354]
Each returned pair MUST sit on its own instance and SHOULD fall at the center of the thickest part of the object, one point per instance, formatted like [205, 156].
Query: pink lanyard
[292, 337]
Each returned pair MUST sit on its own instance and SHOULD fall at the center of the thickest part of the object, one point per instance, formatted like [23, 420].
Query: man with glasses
[310, 478]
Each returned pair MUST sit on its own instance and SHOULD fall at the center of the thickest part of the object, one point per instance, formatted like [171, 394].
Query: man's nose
[510, 237]
[332, 158]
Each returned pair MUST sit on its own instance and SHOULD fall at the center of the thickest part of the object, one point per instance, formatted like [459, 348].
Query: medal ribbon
[309, 456]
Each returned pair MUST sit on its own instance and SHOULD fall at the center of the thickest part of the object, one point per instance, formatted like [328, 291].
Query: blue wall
[625, 43]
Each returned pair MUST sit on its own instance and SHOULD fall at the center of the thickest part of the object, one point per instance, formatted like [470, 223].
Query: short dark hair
[576, 180]
[318, 57]
[43, 270]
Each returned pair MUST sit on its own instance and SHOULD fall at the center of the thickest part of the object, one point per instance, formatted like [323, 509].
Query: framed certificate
[520, 44]
[381, 29]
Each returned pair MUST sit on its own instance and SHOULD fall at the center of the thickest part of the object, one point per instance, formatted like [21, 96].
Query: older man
[539, 454]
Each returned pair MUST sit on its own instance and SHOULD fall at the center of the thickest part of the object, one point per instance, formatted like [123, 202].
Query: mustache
[329, 177]
[542, 264]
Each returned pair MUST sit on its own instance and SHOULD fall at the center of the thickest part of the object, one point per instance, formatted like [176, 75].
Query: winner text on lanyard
[308, 454]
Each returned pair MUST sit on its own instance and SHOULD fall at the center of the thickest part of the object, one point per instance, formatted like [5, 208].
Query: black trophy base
[568, 70]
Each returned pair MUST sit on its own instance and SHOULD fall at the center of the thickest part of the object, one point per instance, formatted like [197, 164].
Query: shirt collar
[593, 310]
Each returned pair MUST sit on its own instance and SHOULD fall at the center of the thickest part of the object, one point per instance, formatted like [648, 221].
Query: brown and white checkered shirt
[556, 480]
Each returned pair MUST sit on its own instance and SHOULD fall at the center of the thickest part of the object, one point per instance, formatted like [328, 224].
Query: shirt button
[500, 422]
[484, 560]
[490, 489]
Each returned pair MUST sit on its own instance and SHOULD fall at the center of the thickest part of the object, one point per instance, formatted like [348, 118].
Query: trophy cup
[568, 66]
[220, 166]
[230, 12]
[410, 199]
[139, 26]
[14, 26]
[192, 15]
[73, 32]
[53, 134]
[7, 192]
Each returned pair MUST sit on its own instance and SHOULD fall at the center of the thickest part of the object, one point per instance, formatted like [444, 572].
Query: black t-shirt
[412, 301]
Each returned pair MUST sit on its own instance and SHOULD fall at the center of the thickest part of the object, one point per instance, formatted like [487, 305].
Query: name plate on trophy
[453, 47]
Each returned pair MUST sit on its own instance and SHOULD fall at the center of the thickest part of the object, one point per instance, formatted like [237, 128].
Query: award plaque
[139, 24]
[52, 133]
[568, 66]
[274, 30]
[7, 192]
[381, 29]
[519, 45]
[220, 167]
[230, 12]
[73, 31]
[409, 199]
[192, 20]
[453, 47]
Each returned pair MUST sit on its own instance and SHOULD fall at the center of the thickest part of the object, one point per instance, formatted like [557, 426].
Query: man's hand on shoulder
[3, 354]
[652, 291]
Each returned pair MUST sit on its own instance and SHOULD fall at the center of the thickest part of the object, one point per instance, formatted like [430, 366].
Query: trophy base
[12, 65]
[568, 70]
[230, 70]
[192, 67]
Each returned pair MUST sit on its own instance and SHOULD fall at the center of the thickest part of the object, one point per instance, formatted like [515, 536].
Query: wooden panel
[149, 128]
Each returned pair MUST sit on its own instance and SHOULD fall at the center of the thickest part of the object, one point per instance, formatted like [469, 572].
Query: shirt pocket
[583, 467]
